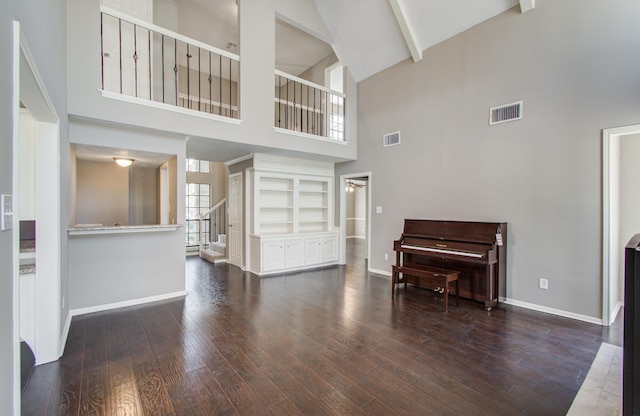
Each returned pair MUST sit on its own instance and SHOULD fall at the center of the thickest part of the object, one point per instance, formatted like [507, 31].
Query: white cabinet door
[329, 249]
[312, 250]
[294, 253]
[272, 255]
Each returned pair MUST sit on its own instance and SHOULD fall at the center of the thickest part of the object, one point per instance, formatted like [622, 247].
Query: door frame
[611, 251]
[230, 259]
[342, 259]
[28, 86]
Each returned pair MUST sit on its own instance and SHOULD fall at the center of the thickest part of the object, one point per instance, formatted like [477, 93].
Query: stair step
[212, 256]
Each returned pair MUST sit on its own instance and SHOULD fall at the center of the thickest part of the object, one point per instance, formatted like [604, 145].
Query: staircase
[216, 251]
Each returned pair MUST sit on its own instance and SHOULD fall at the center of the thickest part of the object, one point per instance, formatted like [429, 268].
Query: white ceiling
[367, 37]
[106, 154]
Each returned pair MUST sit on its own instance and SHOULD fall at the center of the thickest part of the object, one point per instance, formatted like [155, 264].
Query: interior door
[235, 219]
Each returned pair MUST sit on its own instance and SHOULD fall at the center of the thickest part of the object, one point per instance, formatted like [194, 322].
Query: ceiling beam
[526, 5]
[407, 31]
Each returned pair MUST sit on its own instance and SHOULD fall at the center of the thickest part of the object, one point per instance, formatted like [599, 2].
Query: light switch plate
[378, 210]
[7, 212]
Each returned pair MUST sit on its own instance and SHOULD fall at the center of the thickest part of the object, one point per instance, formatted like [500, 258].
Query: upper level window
[195, 165]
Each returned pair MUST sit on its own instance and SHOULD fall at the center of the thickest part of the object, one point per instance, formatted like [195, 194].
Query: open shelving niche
[292, 221]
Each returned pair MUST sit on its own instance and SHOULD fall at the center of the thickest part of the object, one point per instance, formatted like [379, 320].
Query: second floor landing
[128, 71]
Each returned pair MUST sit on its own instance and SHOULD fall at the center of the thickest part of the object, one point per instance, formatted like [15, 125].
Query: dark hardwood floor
[324, 342]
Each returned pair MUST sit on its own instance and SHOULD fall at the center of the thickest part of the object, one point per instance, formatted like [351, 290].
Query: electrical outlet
[386, 256]
[544, 284]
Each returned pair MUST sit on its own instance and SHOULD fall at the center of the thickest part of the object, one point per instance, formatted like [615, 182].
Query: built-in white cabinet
[294, 252]
[291, 221]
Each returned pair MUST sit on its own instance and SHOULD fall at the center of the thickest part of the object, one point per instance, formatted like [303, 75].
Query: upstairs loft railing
[146, 61]
[305, 107]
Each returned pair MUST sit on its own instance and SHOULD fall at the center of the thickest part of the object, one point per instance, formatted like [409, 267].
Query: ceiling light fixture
[124, 162]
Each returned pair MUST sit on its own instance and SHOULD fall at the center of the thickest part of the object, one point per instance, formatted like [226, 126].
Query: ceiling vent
[504, 113]
[390, 139]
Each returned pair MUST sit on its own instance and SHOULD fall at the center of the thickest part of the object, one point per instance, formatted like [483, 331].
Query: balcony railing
[305, 107]
[146, 61]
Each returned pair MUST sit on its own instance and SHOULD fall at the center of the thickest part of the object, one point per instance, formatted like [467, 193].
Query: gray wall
[575, 64]
[143, 196]
[102, 193]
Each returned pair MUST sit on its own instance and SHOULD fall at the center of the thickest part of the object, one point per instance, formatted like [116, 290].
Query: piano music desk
[432, 274]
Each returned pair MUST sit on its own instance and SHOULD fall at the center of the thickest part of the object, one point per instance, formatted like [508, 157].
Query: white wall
[575, 65]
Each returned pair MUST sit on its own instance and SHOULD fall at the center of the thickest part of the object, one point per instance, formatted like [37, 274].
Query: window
[195, 165]
[197, 203]
[336, 126]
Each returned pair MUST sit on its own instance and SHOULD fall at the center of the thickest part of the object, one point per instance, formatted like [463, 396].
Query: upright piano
[478, 250]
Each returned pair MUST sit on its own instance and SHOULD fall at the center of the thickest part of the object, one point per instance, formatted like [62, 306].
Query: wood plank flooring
[326, 342]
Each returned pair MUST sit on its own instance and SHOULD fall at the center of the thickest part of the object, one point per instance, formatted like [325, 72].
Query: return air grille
[504, 113]
[390, 139]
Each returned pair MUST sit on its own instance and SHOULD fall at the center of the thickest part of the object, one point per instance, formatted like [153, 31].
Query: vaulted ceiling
[371, 35]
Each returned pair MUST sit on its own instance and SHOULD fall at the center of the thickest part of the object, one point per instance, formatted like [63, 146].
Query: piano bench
[438, 275]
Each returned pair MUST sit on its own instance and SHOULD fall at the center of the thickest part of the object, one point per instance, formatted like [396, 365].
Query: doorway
[36, 198]
[617, 222]
[355, 217]
[234, 238]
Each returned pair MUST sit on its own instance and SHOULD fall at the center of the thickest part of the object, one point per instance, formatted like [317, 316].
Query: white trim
[386, 273]
[553, 311]
[608, 137]
[342, 258]
[16, 222]
[310, 136]
[239, 159]
[309, 83]
[356, 236]
[124, 304]
[168, 107]
[616, 310]
[24, 47]
[526, 5]
[65, 332]
[126, 229]
[166, 32]
[297, 269]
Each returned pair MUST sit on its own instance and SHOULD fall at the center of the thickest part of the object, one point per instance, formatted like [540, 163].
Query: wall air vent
[390, 139]
[504, 113]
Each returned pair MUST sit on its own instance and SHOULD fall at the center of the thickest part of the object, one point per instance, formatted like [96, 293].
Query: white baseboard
[616, 310]
[123, 304]
[65, 334]
[552, 311]
[382, 272]
[356, 236]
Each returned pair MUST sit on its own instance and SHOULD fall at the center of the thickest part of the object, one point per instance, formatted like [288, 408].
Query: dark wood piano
[478, 250]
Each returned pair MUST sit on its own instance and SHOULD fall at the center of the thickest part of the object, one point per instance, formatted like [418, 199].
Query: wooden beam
[526, 5]
[407, 31]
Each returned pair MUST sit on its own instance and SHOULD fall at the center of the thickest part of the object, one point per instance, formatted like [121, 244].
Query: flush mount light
[124, 162]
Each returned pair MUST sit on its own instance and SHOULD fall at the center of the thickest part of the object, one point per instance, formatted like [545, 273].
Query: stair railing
[217, 215]
[146, 61]
[308, 108]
